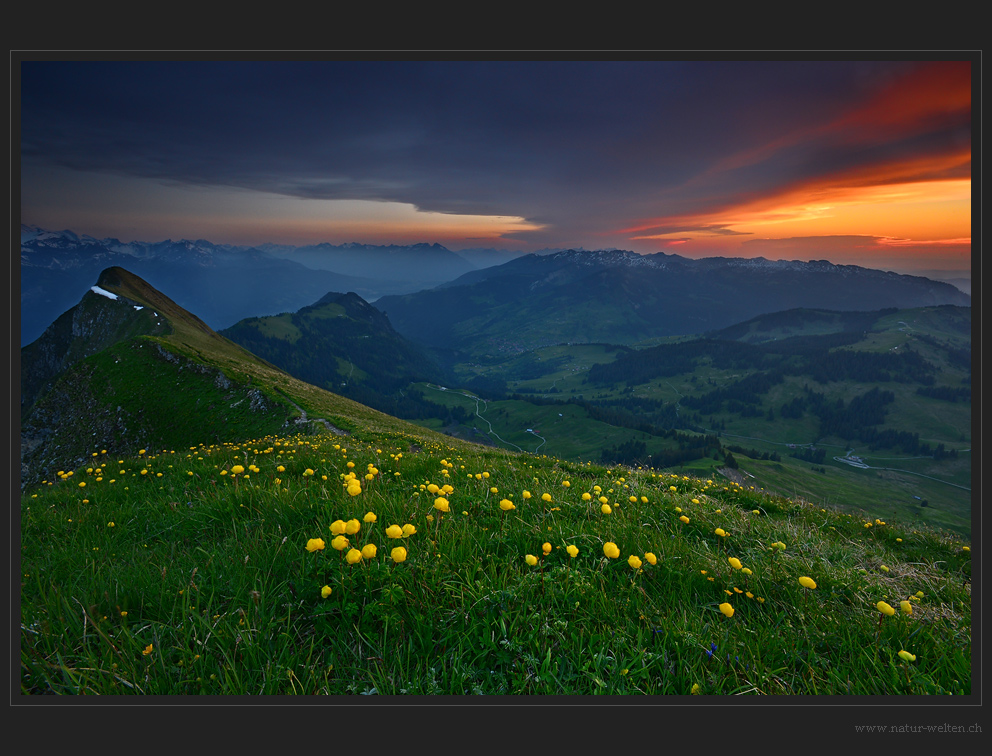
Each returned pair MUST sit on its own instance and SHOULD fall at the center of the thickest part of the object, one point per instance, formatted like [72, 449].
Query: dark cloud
[584, 145]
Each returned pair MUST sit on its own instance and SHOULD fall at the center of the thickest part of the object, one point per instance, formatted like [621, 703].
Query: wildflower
[695, 689]
[611, 550]
[148, 649]
[339, 543]
[325, 591]
[369, 551]
[352, 526]
[354, 556]
[337, 527]
[546, 548]
[566, 483]
[885, 608]
[634, 562]
[605, 509]
[315, 544]
[398, 554]
[747, 571]
[650, 558]
[907, 608]
[394, 531]
[807, 582]
[684, 519]
[441, 504]
[720, 532]
[883, 568]
[506, 505]
[546, 497]
[307, 473]
[408, 530]
[525, 494]
[906, 656]
[573, 550]
[370, 517]
[531, 559]
[587, 496]
[237, 470]
[735, 563]
[727, 609]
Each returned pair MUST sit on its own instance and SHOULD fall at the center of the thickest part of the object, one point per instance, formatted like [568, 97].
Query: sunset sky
[856, 162]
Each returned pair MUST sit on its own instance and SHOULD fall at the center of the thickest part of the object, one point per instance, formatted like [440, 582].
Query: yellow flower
[531, 559]
[746, 571]
[325, 591]
[695, 689]
[546, 548]
[587, 496]
[883, 568]
[398, 554]
[573, 550]
[354, 488]
[148, 649]
[370, 517]
[352, 526]
[408, 530]
[634, 562]
[735, 563]
[720, 532]
[526, 494]
[566, 483]
[307, 473]
[506, 505]
[650, 558]
[727, 609]
[315, 544]
[546, 497]
[807, 582]
[337, 527]
[611, 550]
[237, 470]
[684, 519]
[354, 556]
[394, 531]
[369, 551]
[885, 608]
[906, 656]
[906, 607]
[339, 543]
[605, 509]
[441, 504]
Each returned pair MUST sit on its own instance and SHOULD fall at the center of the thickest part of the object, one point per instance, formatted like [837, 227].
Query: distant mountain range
[226, 283]
[622, 297]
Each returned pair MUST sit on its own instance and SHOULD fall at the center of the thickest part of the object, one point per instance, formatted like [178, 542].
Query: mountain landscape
[178, 490]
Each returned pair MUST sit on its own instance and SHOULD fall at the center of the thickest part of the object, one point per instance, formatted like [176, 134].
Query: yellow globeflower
[531, 559]
[605, 509]
[885, 608]
[506, 505]
[611, 550]
[352, 526]
[339, 542]
[650, 558]
[315, 544]
[906, 607]
[906, 656]
[634, 562]
[398, 554]
[337, 527]
[546, 548]
[354, 488]
[408, 530]
[394, 531]
[587, 496]
[369, 551]
[546, 497]
[354, 556]
[573, 550]
[720, 532]
[370, 517]
[684, 519]
[325, 591]
[807, 582]
[441, 504]
[526, 494]
[735, 563]
[727, 609]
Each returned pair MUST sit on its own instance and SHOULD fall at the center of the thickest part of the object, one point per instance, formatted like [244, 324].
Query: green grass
[203, 583]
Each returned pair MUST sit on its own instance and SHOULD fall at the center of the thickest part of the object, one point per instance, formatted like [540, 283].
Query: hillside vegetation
[249, 533]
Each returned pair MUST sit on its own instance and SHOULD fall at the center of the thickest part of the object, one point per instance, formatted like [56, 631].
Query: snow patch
[138, 307]
[102, 292]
